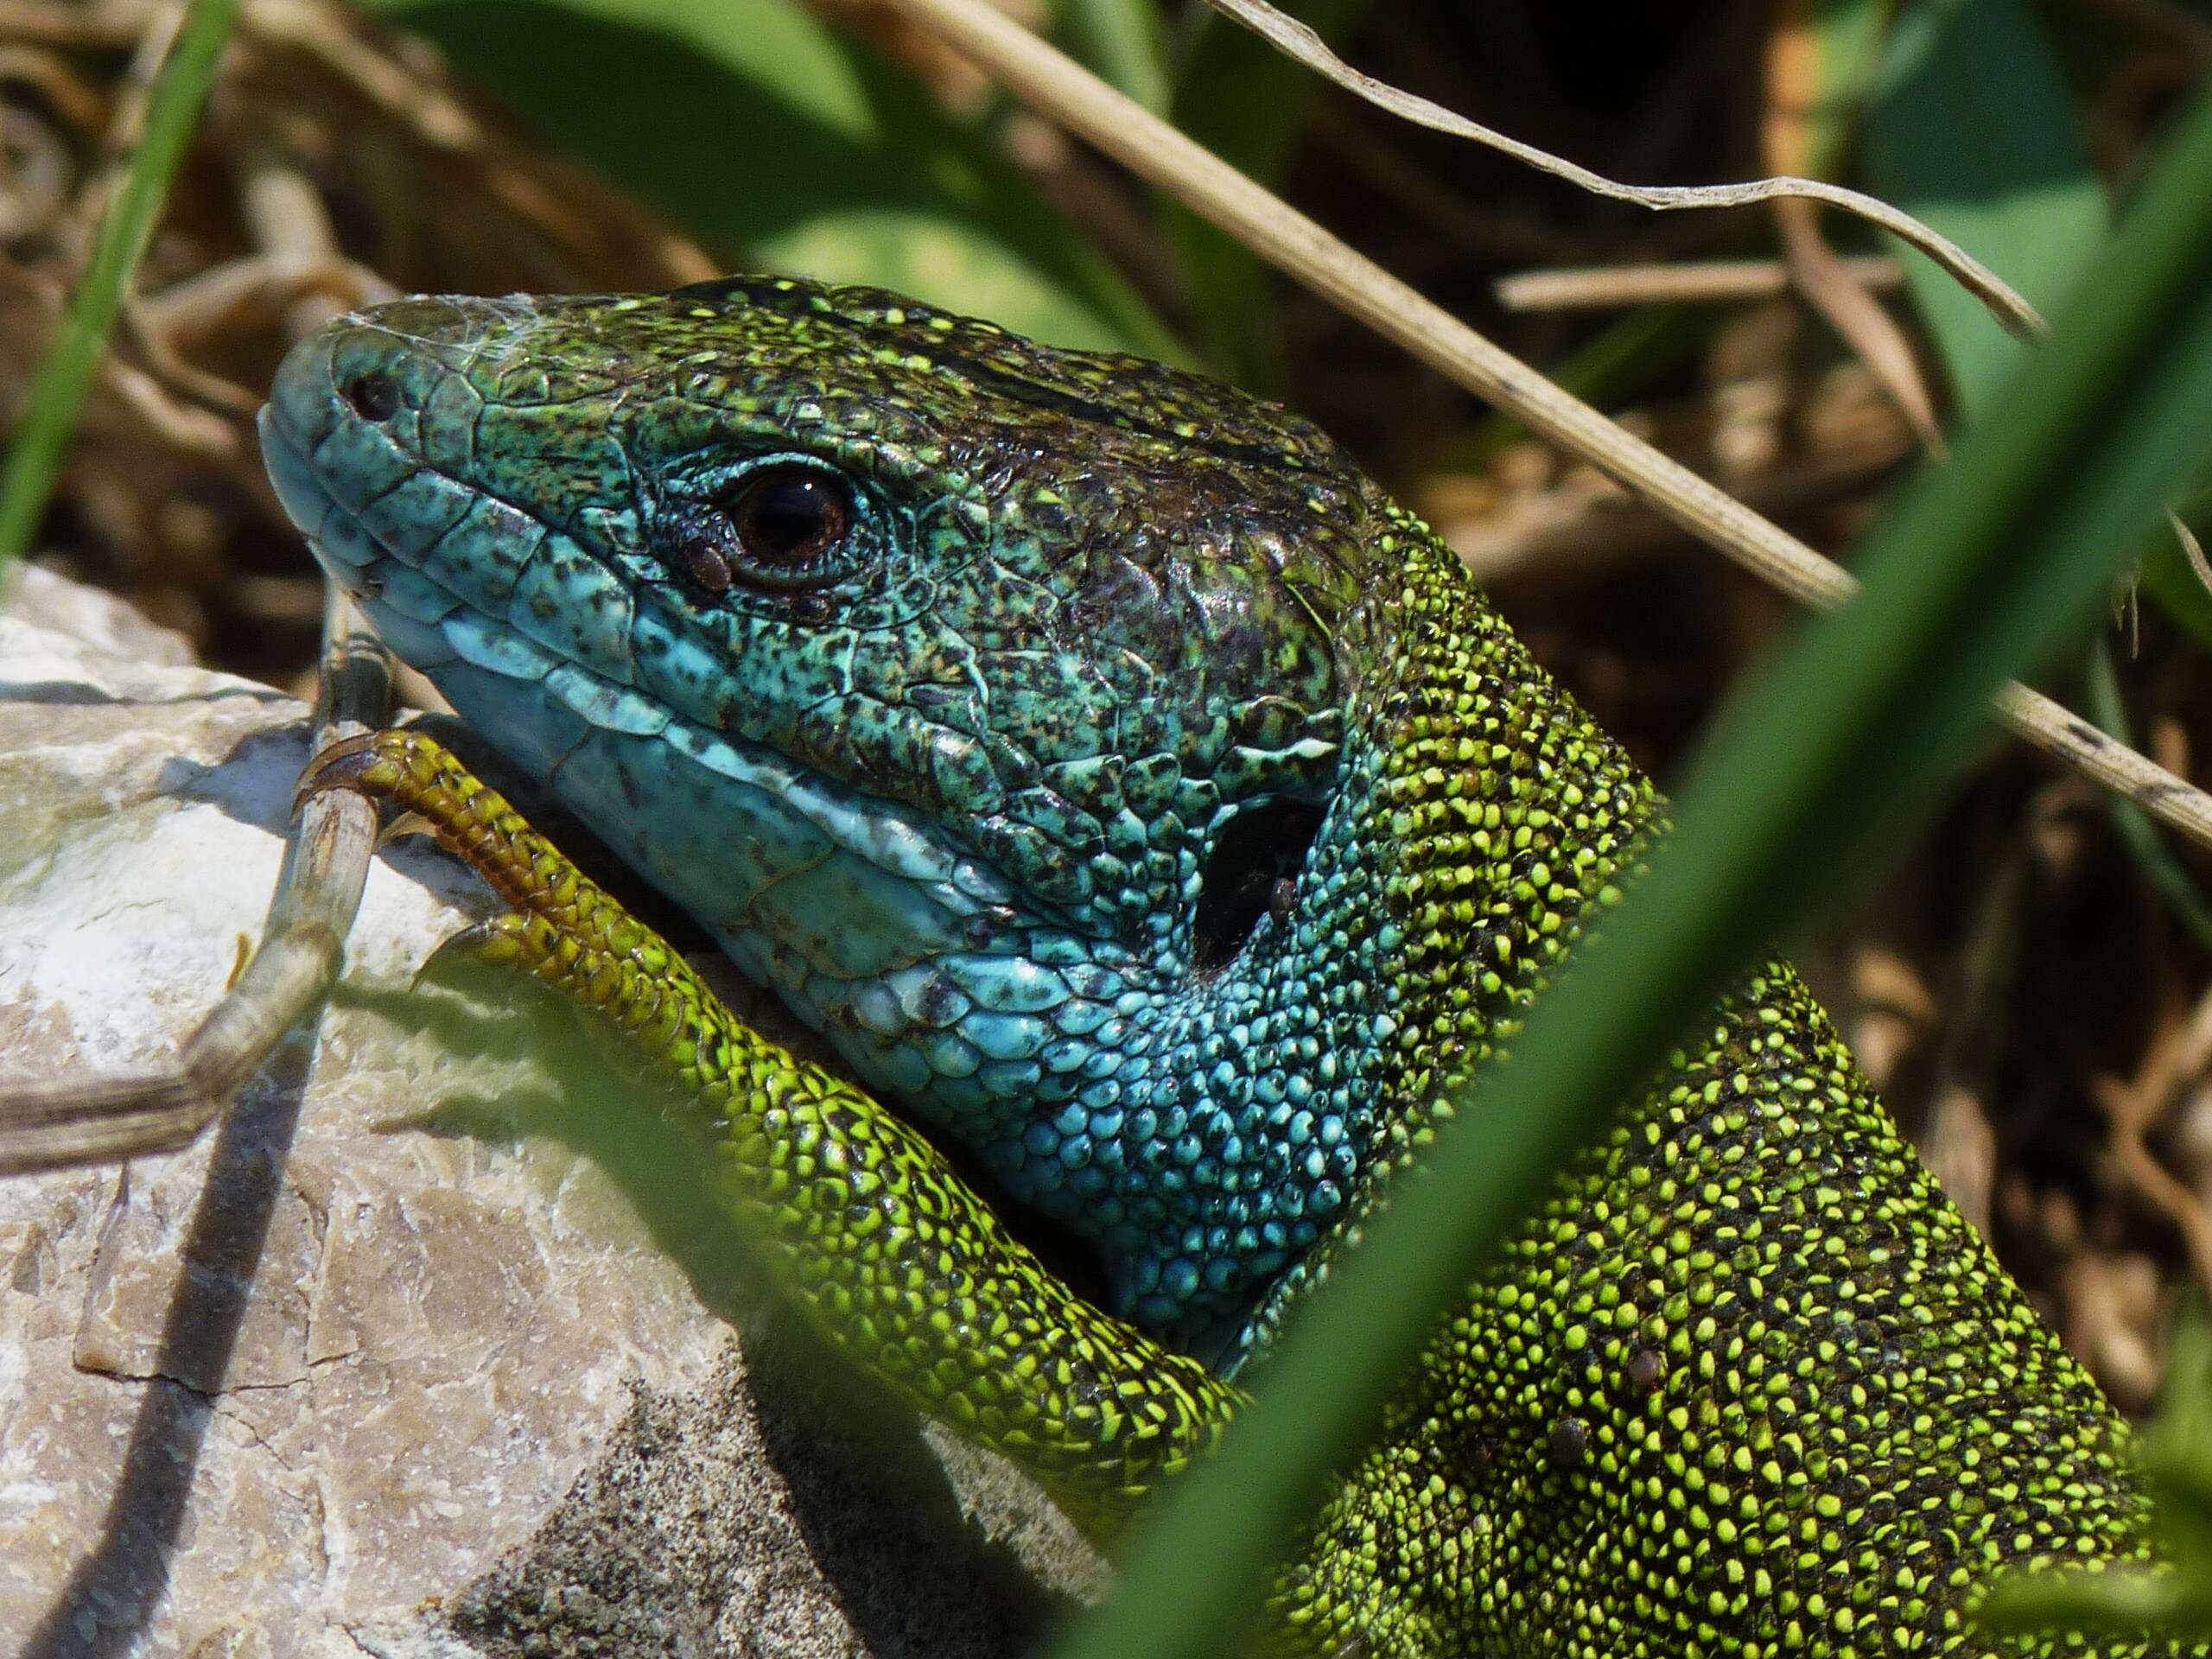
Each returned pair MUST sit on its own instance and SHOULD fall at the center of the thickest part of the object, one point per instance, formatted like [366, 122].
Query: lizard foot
[561, 927]
[902, 1265]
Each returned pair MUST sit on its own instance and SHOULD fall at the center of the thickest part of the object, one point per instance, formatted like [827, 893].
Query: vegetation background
[2031, 985]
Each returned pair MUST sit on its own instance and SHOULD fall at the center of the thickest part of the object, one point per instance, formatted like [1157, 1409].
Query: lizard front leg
[903, 1267]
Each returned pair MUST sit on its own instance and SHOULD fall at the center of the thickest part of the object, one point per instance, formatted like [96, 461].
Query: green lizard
[1131, 790]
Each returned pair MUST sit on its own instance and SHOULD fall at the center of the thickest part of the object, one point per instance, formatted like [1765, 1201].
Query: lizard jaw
[906, 951]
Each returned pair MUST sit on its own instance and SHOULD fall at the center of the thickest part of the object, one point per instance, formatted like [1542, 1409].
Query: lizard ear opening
[1252, 869]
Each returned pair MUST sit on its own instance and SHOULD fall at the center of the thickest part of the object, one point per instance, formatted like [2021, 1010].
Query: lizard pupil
[790, 516]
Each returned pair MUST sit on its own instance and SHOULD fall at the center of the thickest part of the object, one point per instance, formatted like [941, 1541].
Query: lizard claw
[497, 941]
[406, 824]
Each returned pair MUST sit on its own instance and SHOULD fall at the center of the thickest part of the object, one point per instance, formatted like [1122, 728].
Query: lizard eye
[789, 521]
[781, 527]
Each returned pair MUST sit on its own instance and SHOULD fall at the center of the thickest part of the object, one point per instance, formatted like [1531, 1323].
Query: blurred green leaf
[56, 397]
[2008, 178]
[1982, 567]
[787, 147]
[1971, 129]
[1847, 54]
[1121, 41]
[2023, 198]
[1245, 101]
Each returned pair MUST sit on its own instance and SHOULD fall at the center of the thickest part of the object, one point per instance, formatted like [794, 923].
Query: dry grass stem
[1705, 281]
[1297, 41]
[1826, 284]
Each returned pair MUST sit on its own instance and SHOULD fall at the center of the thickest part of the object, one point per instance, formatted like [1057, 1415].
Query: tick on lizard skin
[1129, 791]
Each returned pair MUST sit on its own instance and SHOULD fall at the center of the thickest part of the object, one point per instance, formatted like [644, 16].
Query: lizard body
[1124, 784]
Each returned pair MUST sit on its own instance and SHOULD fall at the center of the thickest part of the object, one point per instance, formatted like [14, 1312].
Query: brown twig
[1826, 283]
[2178, 1054]
[1704, 282]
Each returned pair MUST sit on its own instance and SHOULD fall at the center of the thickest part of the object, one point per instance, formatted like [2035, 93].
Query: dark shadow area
[824, 1426]
[99, 1611]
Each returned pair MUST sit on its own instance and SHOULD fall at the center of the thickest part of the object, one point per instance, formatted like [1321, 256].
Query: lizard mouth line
[428, 622]
[886, 936]
[938, 1000]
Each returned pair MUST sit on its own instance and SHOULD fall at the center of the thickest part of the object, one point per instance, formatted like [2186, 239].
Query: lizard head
[973, 693]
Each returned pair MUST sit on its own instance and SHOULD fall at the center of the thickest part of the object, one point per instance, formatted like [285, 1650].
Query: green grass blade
[2101, 684]
[58, 395]
[1979, 573]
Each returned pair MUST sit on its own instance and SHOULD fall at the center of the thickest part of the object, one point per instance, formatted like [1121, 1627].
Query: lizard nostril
[375, 397]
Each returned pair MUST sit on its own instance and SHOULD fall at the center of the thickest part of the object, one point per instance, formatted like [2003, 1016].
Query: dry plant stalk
[1697, 282]
[97, 1120]
[1297, 41]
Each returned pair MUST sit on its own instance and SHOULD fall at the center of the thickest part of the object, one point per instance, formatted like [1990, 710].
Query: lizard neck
[1478, 813]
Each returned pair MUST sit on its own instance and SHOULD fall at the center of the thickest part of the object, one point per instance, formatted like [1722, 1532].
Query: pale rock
[383, 1365]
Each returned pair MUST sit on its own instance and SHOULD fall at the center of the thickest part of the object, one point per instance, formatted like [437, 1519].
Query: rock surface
[388, 1364]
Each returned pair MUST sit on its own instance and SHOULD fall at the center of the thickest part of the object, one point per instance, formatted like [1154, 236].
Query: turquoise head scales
[981, 699]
